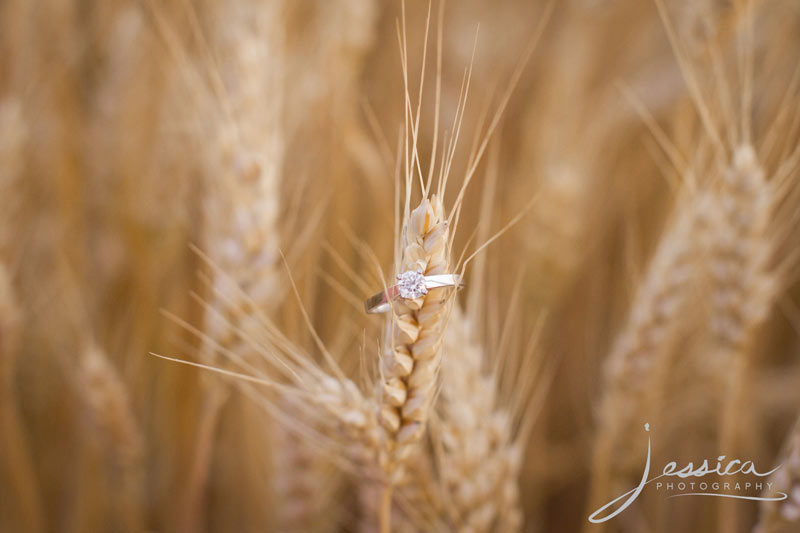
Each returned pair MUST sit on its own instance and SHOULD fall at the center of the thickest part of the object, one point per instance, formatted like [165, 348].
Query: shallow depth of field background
[109, 116]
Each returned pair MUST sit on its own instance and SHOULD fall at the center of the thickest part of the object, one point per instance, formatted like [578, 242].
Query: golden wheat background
[224, 182]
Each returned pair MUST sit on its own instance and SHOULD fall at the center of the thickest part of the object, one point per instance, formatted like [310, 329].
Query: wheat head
[480, 456]
[412, 354]
[640, 353]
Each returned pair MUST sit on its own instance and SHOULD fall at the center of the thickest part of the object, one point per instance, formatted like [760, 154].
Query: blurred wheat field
[223, 184]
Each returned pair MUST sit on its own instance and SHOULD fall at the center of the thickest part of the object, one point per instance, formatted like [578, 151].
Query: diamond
[411, 284]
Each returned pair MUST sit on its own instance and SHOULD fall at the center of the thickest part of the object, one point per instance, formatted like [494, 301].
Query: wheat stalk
[95, 117]
[242, 174]
[377, 435]
[480, 452]
[17, 459]
[17, 462]
[412, 354]
[408, 503]
[640, 352]
[744, 283]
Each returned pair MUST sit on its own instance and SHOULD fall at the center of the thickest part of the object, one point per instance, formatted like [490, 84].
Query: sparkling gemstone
[411, 284]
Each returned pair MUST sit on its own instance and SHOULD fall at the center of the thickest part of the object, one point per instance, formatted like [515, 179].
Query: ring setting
[411, 284]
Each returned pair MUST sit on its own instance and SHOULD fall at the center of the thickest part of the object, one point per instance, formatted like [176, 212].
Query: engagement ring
[410, 285]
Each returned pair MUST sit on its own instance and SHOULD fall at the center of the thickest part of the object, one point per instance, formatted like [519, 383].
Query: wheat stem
[17, 461]
[386, 509]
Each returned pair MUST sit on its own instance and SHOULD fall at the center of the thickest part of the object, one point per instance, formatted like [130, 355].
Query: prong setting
[411, 284]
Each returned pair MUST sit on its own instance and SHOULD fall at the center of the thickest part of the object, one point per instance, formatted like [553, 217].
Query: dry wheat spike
[744, 281]
[642, 347]
[481, 451]
[241, 177]
[412, 353]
